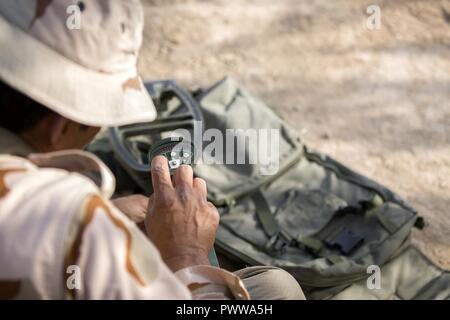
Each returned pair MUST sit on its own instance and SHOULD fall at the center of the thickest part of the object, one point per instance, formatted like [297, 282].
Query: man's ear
[57, 127]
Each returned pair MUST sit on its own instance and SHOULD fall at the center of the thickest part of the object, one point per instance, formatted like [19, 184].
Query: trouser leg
[270, 283]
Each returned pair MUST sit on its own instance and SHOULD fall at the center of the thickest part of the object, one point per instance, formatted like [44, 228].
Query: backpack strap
[344, 239]
[265, 216]
[278, 239]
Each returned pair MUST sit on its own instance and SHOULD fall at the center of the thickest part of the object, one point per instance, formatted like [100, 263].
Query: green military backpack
[296, 209]
[315, 218]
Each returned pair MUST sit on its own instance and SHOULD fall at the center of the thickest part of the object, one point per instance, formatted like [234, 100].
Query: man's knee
[270, 283]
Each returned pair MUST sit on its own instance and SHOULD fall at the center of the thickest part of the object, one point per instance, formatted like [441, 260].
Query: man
[60, 235]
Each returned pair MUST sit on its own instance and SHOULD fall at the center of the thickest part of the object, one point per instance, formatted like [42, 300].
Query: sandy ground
[379, 101]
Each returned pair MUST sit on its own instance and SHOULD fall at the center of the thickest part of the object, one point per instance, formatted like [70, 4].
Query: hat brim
[77, 93]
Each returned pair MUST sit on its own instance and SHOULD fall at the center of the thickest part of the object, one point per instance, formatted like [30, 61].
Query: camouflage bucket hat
[77, 57]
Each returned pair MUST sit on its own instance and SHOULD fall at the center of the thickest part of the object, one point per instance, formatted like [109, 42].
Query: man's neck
[11, 143]
[35, 143]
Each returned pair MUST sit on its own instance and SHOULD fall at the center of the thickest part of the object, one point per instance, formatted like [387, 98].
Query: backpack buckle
[278, 243]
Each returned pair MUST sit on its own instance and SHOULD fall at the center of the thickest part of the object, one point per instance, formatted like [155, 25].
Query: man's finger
[200, 188]
[141, 200]
[183, 177]
[150, 204]
[160, 174]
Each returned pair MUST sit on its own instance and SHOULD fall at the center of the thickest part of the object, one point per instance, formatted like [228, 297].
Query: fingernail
[159, 162]
[157, 167]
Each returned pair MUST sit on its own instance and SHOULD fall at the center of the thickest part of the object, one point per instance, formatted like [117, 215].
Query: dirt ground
[377, 100]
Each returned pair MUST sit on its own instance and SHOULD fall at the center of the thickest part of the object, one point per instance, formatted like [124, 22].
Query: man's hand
[135, 207]
[181, 223]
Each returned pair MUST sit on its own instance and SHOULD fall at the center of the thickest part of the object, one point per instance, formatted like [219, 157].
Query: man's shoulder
[39, 210]
[21, 179]
[9, 162]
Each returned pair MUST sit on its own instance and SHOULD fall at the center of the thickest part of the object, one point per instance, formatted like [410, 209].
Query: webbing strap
[313, 245]
[274, 231]
[212, 257]
[264, 214]
[278, 238]
[335, 259]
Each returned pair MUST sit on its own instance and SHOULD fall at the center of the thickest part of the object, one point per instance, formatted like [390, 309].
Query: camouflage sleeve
[60, 239]
[115, 260]
[108, 257]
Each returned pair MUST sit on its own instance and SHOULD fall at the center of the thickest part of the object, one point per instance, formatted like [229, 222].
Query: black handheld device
[178, 151]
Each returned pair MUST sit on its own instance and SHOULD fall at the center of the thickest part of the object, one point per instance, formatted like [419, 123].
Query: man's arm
[115, 259]
[182, 224]
[62, 239]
